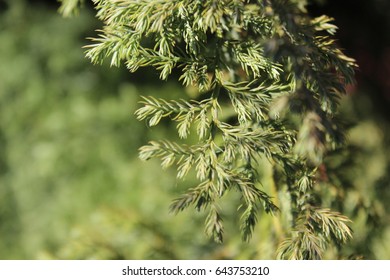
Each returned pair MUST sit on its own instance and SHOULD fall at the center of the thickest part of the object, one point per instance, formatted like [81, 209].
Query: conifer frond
[199, 196]
[214, 224]
[269, 79]
[254, 63]
[248, 222]
[315, 228]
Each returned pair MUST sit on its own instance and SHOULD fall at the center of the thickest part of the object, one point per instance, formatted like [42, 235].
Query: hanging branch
[266, 61]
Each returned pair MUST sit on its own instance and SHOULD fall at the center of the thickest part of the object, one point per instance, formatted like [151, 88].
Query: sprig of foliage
[269, 78]
[313, 231]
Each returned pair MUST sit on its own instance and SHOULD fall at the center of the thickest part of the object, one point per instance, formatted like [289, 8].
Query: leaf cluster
[268, 77]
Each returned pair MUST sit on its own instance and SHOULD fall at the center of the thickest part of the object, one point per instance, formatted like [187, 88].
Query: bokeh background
[72, 187]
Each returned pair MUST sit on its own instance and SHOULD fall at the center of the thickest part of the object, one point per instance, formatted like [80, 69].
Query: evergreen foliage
[268, 80]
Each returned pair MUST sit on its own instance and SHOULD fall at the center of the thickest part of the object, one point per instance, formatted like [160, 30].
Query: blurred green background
[72, 187]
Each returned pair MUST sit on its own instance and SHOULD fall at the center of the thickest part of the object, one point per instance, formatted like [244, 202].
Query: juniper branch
[269, 63]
